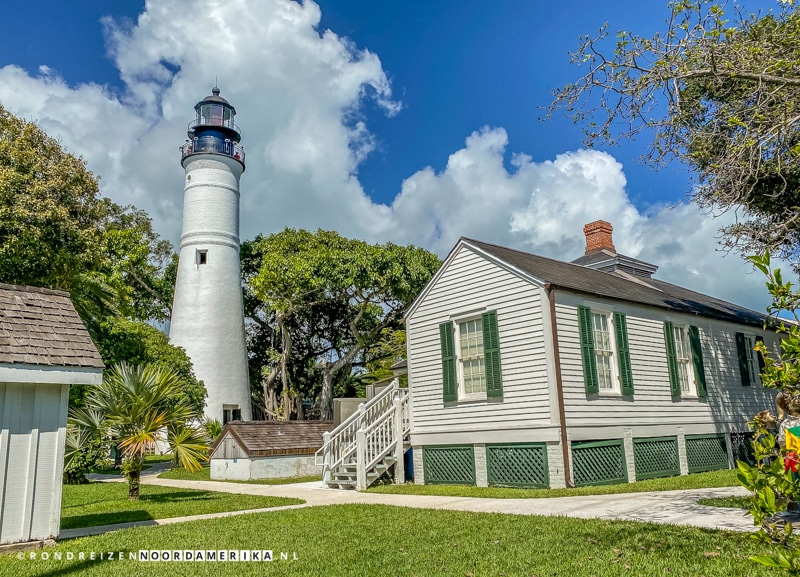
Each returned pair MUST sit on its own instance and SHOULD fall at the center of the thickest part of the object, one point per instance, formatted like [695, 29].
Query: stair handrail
[341, 440]
[381, 436]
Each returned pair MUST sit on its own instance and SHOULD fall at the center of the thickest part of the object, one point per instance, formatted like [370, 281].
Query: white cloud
[298, 91]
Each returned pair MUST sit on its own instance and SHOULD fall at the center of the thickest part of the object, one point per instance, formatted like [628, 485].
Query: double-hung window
[471, 358]
[751, 363]
[687, 375]
[683, 357]
[604, 351]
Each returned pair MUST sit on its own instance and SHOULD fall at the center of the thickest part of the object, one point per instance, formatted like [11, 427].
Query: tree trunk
[299, 408]
[287, 350]
[133, 473]
[326, 396]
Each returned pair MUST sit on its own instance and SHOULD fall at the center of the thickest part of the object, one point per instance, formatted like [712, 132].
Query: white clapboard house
[44, 348]
[533, 372]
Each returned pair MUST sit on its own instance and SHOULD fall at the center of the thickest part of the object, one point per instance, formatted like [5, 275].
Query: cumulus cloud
[299, 91]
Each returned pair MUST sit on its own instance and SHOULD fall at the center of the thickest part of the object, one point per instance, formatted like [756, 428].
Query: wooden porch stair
[369, 444]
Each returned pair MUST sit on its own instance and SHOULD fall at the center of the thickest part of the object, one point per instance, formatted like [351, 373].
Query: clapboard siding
[728, 406]
[471, 282]
[32, 430]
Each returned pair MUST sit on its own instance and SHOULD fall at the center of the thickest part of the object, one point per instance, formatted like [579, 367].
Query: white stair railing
[367, 438]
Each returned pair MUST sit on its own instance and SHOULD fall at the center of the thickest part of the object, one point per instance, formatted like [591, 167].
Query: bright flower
[791, 462]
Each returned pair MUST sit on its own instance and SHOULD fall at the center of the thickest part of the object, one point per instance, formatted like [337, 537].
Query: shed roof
[262, 438]
[41, 327]
[647, 291]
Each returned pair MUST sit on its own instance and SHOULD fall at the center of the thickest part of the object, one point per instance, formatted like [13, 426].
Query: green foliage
[717, 89]
[85, 450]
[135, 406]
[135, 342]
[771, 480]
[49, 208]
[330, 302]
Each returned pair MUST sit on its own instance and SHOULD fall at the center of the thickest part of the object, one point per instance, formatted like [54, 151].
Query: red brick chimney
[598, 236]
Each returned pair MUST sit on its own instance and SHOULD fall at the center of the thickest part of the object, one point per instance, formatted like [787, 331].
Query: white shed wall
[470, 282]
[32, 432]
[652, 409]
[279, 467]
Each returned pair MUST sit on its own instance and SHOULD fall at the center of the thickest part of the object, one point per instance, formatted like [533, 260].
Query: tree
[343, 292]
[772, 479]
[139, 405]
[716, 91]
[135, 342]
[49, 208]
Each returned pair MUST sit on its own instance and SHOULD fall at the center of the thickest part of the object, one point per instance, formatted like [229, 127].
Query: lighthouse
[207, 312]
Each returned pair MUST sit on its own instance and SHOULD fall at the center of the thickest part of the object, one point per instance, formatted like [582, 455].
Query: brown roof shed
[41, 327]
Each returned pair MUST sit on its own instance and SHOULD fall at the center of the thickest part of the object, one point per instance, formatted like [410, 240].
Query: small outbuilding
[248, 450]
[44, 348]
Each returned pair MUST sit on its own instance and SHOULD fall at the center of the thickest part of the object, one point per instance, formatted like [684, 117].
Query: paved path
[672, 507]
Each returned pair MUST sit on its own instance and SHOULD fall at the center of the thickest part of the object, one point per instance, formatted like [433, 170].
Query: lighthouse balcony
[214, 146]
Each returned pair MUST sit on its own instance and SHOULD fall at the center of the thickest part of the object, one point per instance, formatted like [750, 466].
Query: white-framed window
[750, 363]
[471, 362]
[683, 353]
[604, 350]
[471, 366]
[752, 359]
[605, 353]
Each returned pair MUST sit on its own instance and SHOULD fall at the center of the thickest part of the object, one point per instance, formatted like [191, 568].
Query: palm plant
[140, 405]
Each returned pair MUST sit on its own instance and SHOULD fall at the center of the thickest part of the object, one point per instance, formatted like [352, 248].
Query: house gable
[470, 285]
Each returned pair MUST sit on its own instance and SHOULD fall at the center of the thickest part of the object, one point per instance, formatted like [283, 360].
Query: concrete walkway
[671, 507]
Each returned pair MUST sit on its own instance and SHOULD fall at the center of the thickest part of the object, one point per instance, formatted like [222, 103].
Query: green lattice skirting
[706, 453]
[599, 463]
[449, 465]
[741, 445]
[517, 465]
[656, 457]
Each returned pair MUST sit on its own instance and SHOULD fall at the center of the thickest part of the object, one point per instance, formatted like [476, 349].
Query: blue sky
[406, 121]
[456, 66]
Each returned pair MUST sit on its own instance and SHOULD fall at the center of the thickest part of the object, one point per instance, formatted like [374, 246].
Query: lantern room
[213, 130]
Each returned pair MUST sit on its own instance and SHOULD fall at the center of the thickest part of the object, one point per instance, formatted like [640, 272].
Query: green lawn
[725, 478]
[205, 475]
[106, 503]
[357, 540]
[733, 502]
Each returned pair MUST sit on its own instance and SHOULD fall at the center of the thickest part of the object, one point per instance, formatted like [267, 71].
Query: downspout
[550, 289]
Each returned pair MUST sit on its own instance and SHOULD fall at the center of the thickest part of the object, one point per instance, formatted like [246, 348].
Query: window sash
[603, 350]
[684, 358]
[751, 357]
[471, 357]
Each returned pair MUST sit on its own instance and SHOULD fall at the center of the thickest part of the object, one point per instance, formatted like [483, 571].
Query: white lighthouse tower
[207, 312]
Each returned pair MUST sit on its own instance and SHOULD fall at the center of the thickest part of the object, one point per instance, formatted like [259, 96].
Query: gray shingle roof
[590, 281]
[262, 438]
[40, 327]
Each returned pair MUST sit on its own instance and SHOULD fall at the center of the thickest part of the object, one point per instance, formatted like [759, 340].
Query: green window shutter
[491, 355]
[449, 379]
[623, 353]
[697, 357]
[672, 359]
[761, 363]
[741, 351]
[587, 350]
